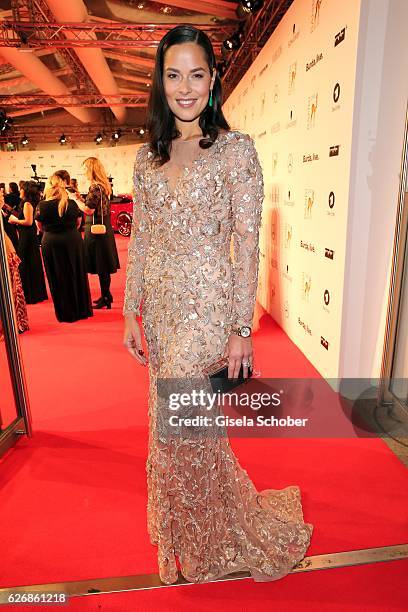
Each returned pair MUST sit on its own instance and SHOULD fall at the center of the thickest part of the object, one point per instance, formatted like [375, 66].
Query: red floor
[75, 493]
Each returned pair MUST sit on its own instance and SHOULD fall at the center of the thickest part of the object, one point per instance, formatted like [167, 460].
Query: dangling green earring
[210, 101]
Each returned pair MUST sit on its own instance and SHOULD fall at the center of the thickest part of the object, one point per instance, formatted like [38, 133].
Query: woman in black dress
[31, 269]
[101, 253]
[11, 205]
[63, 252]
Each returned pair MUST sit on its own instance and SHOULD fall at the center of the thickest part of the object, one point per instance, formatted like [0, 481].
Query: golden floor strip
[97, 586]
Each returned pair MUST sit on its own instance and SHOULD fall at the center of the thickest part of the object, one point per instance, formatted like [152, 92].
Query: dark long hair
[31, 193]
[160, 123]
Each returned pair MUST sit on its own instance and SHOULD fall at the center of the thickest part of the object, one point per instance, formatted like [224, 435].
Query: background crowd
[50, 228]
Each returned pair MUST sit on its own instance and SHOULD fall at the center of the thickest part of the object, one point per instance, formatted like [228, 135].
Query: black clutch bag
[218, 375]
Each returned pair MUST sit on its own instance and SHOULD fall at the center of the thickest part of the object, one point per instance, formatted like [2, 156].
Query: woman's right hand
[133, 338]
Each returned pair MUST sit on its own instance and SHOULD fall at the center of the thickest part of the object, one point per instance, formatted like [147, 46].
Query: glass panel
[399, 382]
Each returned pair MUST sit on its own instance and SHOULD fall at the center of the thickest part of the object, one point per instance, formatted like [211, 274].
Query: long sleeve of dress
[247, 194]
[138, 243]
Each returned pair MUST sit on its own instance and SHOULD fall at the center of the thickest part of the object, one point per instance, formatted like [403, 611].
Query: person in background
[11, 204]
[63, 250]
[101, 252]
[31, 269]
[13, 262]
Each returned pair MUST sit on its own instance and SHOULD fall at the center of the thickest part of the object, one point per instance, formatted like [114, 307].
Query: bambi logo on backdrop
[309, 201]
[315, 17]
[292, 77]
[306, 286]
[274, 165]
[288, 235]
[312, 110]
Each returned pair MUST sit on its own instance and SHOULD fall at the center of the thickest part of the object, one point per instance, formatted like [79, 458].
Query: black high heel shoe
[100, 299]
[105, 302]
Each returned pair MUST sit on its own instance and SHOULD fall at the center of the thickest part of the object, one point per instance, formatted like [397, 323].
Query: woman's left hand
[238, 350]
[13, 220]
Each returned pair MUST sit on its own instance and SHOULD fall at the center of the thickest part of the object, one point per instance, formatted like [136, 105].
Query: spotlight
[24, 140]
[142, 131]
[5, 122]
[117, 134]
[233, 42]
[251, 6]
[98, 138]
[63, 139]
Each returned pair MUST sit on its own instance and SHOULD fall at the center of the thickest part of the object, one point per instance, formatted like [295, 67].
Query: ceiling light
[233, 42]
[117, 134]
[63, 139]
[24, 140]
[142, 131]
[98, 138]
[251, 6]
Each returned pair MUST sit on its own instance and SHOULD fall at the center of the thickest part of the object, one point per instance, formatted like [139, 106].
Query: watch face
[245, 332]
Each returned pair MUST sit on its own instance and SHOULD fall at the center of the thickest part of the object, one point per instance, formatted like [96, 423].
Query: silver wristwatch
[244, 331]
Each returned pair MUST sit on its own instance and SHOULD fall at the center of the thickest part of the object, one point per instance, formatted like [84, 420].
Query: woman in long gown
[64, 253]
[31, 267]
[197, 183]
[17, 289]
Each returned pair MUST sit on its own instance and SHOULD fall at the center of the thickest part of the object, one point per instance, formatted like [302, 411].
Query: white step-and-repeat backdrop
[118, 162]
[296, 101]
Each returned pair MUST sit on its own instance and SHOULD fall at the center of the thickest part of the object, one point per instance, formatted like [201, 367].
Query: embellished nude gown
[202, 507]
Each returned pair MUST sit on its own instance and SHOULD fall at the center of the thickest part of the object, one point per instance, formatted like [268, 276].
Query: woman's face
[187, 80]
[22, 195]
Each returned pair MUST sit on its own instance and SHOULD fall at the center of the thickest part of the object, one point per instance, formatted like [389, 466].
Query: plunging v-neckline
[172, 192]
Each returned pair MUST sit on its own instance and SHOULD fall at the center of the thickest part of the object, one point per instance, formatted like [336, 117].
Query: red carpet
[74, 496]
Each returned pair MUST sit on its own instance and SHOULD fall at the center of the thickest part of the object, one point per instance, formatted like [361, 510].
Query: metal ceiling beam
[25, 35]
[37, 11]
[75, 100]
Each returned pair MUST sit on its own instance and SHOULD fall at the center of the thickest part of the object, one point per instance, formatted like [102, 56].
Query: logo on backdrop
[275, 199]
[324, 343]
[339, 37]
[290, 162]
[292, 77]
[336, 97]
[309, 201]
[274, 164]
[315, 16]
[288, 201]
[326, 297]
[332, 199]
[288, 235]
[329, 253]
[292, 119]
[295, 35]
[308, 246]
[306, 286]
[305, 326]
[314, 61]
[334, 151]
[263, 70]
[262, 103]
[312, 111]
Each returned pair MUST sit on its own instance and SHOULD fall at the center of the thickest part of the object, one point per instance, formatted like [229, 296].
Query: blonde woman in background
[101, 252]
[63, 252]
